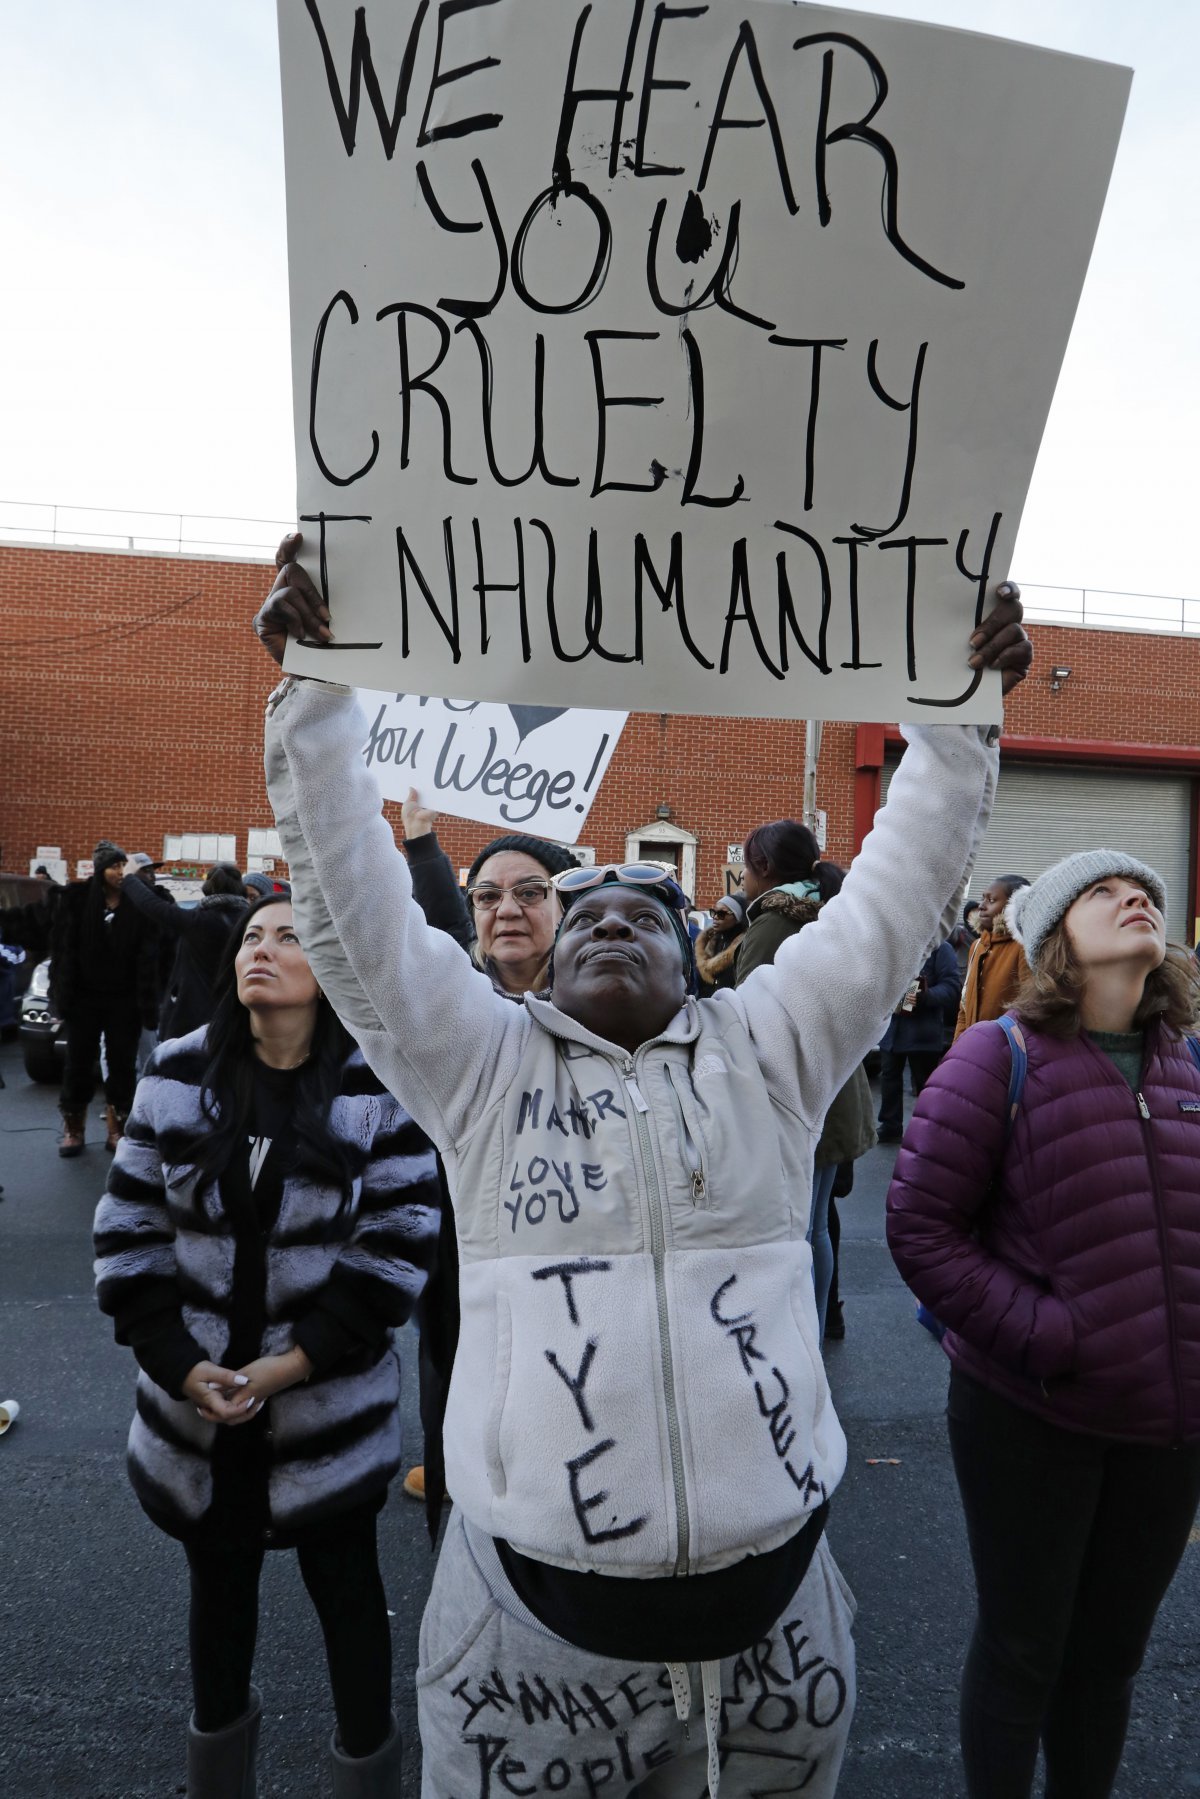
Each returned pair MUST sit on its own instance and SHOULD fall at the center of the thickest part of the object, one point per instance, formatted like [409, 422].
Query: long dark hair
[227, 1086]
[785, 850]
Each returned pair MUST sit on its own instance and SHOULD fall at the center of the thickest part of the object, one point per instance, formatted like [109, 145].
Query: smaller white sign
[83, 869]
[526, 768]
[733, 852]
[182, 890]
[48, 852]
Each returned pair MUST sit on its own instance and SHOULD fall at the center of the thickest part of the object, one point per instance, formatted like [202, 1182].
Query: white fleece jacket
[638, 1387]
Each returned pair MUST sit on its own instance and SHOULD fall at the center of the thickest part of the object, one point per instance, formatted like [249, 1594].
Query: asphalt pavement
[93, 1642]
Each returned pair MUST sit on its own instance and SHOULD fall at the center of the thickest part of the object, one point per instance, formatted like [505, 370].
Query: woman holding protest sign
[1046, 1207]
[640, 1440]
[270, 1218]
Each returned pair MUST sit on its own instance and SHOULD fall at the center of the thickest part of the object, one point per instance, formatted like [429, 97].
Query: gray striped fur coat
[165, 1248]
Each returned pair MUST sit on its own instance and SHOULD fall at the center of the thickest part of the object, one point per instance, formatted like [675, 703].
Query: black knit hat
[105, 854]
[553, 858]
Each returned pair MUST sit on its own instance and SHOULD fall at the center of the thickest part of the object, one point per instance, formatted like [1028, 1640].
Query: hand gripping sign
[684, 358]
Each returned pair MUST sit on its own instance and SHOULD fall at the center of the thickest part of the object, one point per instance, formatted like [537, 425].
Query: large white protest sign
[526, 768]
[688, 358]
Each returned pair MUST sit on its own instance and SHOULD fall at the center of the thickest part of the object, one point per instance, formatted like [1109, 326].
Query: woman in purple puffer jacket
[1061, 1248]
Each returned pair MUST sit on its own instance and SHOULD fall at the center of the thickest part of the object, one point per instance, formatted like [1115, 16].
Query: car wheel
[41, 1063]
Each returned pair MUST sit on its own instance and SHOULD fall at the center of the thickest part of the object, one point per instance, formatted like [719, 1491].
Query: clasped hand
[235, 1396]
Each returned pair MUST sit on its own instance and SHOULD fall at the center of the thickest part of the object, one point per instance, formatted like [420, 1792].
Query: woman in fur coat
[270, 1218]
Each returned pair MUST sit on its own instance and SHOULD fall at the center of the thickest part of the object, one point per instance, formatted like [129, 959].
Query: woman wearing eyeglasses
[511, 913]
[515, 910]
[640, 1439]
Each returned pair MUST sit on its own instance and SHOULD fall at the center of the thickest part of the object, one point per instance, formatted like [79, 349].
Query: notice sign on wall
[681, 358]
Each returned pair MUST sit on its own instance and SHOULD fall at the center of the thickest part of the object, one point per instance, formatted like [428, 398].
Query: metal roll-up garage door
[1043, 813]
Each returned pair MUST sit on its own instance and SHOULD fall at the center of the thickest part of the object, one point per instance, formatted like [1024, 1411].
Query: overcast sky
[143, 310]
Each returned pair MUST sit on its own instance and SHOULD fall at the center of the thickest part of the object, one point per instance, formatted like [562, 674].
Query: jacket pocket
[691, 1144]
[497, 1478]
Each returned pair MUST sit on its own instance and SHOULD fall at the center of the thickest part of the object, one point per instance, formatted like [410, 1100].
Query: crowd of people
[596, 1156]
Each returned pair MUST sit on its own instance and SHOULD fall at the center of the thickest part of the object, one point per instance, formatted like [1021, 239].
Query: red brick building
[131, 700]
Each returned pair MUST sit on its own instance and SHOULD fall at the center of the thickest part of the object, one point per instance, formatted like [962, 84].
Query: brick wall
[113, 725]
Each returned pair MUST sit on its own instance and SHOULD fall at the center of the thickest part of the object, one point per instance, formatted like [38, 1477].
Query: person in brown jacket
[996, 966]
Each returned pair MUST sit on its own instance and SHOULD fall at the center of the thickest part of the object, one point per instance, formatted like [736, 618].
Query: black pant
[341, 1571]
[922, 1062]
[1074, 1540]
[121, 1027]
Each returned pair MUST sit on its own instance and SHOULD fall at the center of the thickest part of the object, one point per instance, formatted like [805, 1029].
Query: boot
[375, 1776]
[74, 1134]
[220, 1763]
[115, 1123]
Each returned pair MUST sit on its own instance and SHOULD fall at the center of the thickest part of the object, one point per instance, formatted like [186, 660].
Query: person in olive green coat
[786, 884]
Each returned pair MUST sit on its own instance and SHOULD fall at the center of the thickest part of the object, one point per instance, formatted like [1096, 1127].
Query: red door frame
[871, 743]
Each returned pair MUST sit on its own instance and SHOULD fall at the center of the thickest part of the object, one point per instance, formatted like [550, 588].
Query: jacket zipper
[658, 1250]
[693, 1158]
[1165, 1252]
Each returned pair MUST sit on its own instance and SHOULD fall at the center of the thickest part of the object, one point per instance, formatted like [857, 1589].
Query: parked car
[43, 1040]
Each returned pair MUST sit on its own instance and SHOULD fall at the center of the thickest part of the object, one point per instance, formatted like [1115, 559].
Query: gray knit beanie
[105, 854]
[1033, 911]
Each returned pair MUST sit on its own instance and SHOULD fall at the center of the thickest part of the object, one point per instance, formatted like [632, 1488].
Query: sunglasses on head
[574, 881]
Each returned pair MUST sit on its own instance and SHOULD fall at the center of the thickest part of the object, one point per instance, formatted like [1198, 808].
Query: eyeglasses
[528, 894]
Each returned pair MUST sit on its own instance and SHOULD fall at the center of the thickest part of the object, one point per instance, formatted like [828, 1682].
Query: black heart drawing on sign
[531, 718]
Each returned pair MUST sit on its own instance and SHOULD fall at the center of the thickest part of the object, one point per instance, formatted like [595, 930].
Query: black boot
[375, 1776]
[221, 1763]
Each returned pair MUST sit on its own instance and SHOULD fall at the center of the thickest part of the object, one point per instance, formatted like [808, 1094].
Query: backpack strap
[1010, 1025]
[1193, 1044]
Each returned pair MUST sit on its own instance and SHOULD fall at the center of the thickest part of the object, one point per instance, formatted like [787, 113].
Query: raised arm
[434, 887]
[822, 1004]
[427, 1021]
[178, 921]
